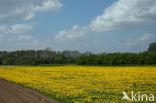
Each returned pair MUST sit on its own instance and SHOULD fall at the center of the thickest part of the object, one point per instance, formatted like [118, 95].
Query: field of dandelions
[83, 84]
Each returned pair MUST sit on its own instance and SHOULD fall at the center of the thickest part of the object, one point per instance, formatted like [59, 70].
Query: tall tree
[152, 47]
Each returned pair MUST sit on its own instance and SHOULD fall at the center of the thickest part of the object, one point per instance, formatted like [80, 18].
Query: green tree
[8, 61]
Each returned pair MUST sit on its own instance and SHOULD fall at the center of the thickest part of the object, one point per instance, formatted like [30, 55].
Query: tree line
[36, 57]
[47, 56]
[144, 58]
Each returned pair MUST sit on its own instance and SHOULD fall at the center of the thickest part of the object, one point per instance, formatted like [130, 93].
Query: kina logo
[138, 97]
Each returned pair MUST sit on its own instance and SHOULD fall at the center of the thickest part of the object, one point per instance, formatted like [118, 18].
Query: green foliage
[8, 61]
[0, 61]
[32, 57]
[145, 58]
[152, 47]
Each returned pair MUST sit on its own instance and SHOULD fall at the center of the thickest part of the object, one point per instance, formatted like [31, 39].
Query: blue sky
[72, 13]
[84, 25]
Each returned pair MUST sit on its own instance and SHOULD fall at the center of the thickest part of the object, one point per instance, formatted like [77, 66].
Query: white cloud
[24, 38]
[25, 9]
[29, 16]
[28, 42]
[138, 44]
[1, 36]
[75, 32]
[13, 11]
[2, 27]
[49, 5]
[125, 14]
[19, 28]
[18, 42]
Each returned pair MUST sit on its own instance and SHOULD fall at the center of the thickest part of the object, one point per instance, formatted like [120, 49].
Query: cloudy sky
[84, 25]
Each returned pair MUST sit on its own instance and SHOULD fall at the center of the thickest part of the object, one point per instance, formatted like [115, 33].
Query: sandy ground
[12, 93]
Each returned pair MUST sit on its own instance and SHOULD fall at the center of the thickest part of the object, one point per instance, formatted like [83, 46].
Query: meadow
[83, 84]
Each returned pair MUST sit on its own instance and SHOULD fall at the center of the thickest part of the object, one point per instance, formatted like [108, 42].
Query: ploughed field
[84, 84]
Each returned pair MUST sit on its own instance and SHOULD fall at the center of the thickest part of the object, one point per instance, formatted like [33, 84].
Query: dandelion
[79, 84]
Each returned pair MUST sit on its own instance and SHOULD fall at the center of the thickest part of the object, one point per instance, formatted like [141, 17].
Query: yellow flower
[79, 84]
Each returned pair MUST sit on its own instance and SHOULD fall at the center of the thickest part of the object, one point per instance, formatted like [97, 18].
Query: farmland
[83, 84]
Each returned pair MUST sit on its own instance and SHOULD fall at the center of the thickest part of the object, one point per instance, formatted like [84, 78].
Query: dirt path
[12, 93]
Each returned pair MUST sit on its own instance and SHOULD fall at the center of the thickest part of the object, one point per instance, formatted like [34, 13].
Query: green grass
[51, 65]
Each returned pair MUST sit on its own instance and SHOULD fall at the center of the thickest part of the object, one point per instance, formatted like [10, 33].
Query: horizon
[82, 52]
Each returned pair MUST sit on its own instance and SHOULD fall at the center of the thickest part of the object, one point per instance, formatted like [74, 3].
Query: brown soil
[12, 93]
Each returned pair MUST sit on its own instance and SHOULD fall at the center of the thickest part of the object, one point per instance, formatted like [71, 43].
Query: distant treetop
[152, 47]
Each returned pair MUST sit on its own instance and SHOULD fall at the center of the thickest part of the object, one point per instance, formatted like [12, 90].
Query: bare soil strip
[12, 93]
